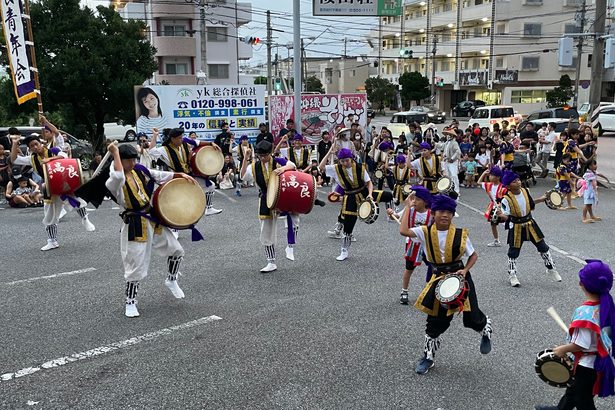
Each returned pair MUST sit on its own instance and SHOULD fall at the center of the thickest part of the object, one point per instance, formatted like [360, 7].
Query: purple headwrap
[508, 177]
[400, 159]
[422, 193]
[386, 146]
[425, 145]
[496, 171]
[243, 138]
[298, 137]
[597, 278]
[443, 203]
[344, 153]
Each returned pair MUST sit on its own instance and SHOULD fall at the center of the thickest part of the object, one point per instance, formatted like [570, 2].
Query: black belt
[447, 267]
[355, 191]
[128, 214]
[521, 220]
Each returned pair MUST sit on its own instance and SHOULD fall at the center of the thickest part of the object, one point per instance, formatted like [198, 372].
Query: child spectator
[470, 166]
[466, 145]
[317, 176]
[563, 175]
[23, 192]
[483, 158]
[589, 190]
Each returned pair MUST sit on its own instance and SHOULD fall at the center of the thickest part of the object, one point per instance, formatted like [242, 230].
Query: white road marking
[61, 361]
[218, 191]
[556, 249]
[55, 275]
[32, 403]
[115, 207]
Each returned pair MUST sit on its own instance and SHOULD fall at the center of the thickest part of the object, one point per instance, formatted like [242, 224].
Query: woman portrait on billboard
[150, 113]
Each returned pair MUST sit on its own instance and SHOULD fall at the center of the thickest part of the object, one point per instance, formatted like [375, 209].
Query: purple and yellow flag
[17, 43]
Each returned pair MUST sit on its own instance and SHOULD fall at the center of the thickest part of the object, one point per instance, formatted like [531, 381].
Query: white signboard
[200, 108]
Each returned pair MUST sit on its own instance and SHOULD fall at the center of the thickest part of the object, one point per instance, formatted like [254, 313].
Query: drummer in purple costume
[445, 246]
[590, 341]
[357, 185]
[428, 167]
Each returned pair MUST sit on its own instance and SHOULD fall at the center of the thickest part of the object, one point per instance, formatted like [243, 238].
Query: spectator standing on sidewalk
[545, 144]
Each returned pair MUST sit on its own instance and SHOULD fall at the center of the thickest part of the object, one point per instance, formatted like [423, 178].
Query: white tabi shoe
[514, 281]
[290, 253]
[62, 213]
[353, 238]
[50, 245]
[212, 211]
[131, 310]
[173, 286]
[175, 233]
[343, 255]
[555, 274]
[89, 226]
[269, 268]
[334, 234]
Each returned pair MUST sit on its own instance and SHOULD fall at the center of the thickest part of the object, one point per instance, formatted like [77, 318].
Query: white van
[493, 114]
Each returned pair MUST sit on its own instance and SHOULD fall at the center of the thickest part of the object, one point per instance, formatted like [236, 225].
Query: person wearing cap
[259, 171]
[131, 185]
[507, 150]
[516, 210]
[445, 246]
[41, 155]
[590, 336]
[451, 154]
[296, 153]
[381, 156]
[401, 176]
[357, 185]
[418, 214]
[175, 155]
[290, 127]
[428, 167]
[264, 134]
[495, 191]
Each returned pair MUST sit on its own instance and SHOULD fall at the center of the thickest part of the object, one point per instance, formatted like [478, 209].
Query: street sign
[357, 8]
[585, 84]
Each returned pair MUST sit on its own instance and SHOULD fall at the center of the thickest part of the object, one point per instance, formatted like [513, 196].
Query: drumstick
[396, 218]
[103, 161]
[551, 311]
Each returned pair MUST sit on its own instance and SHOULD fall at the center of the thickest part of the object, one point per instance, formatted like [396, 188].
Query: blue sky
[330, 43]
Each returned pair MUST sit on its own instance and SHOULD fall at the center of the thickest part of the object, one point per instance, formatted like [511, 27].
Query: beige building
[175, 31]
[500, 51]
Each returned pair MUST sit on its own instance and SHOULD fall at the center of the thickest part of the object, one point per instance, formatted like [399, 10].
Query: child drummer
[175, 153]
[131, 186]
[445, 246]
[419, 214]
[495, 191]
[40, 156]
[260, 172]
[401, 175]
[589, 340]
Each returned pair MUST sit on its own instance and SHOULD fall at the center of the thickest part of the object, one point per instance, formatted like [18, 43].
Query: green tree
[379, 91]
[414, 87]
[560, 95]
[313, 84]
[88, 65]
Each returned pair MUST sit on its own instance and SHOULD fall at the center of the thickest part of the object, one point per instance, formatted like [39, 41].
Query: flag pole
[33, 68]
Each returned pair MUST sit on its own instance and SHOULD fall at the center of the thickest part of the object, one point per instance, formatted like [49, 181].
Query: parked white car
[119, 131]
[584, 108]
[603, 119]
[492, 114]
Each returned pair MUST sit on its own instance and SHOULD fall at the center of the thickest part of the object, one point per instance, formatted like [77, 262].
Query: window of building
[532, 29]
[218, 71]
[486, 31]
[530, 63]
[484, 63]
[445, 66]
[353, 73]
[174, 30]
[500, 29]
[176, 68]
[571, 28]
[475, 64]
[499, 62]
[528, 96]
[589, 61]
[219, 34]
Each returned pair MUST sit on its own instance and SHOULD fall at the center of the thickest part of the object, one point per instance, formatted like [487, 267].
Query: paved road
[315, 334]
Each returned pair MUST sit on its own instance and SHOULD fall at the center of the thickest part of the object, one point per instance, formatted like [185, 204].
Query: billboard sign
[357, 7]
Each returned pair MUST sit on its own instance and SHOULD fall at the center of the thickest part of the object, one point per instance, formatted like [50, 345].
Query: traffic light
[405, 53]
[251, 40]
[278, 84]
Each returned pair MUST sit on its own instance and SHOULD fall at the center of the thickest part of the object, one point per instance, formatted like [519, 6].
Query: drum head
[407, 189]
[365, 209]
[209, 161]
[272, 190]
[444, 184]
[378, 174]
[450, 287]
[555, 372]
[180, 202]
[555, 198]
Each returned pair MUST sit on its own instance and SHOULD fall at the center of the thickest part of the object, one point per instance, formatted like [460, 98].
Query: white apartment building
[497, 51]
[174, 28]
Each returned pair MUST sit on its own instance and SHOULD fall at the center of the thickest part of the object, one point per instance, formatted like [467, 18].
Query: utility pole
[297, 64]
[401, 34]
[303, 65]
[345, 48]
[379, 45]
[595, 87]
[204, 66]
[579, 54]
[433, 68]
[269, 46]
[427, 36]
[491, 47]
[457, 48]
